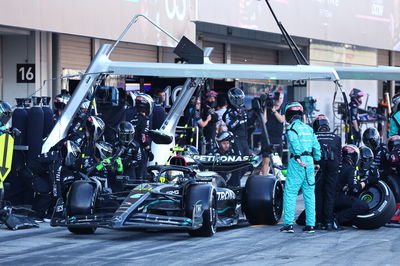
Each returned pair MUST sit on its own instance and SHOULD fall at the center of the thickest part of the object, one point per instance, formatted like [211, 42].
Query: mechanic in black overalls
[372, 140]
[325, 188]
[235, 119]
[159, 113]
[210, 130]
[349, 185]
[132, 154]
[365, 166]
[354, 136]
[141, 122]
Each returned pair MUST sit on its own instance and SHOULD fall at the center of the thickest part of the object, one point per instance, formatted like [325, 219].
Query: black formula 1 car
[191, 196]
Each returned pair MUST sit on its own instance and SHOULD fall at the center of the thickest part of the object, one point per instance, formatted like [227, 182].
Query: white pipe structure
[196, 73]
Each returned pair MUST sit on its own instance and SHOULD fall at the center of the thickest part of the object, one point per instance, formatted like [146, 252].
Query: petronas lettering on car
[222, 158]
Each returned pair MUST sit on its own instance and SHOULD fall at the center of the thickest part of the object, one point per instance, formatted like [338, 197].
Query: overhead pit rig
[196, 74]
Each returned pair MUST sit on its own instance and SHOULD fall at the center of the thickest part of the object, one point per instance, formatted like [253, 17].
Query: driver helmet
[366, 158]
[321, 123]
[102, 150]
[96, 126]
[5, 113]
[371, 138]
[293, 111]
[351, 154]
[126, 132]
[355, 95]
[70, 152]
[236, 97]
[144, 103]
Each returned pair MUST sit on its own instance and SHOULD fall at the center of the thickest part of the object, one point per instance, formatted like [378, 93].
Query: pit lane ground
[242, 245]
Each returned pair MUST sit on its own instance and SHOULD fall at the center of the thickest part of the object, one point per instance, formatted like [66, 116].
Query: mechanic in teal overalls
[304, 150]
[395, 117]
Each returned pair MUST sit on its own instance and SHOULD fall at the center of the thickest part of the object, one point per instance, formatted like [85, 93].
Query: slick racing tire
[263, 199]
[381, 204]
[394, 184]
[81, 200]
[210, 215]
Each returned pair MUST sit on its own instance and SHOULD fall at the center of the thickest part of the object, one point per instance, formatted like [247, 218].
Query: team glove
[120, 167]
[103, 163]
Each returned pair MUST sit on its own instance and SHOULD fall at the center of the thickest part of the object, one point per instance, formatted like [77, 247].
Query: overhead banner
[371, 23]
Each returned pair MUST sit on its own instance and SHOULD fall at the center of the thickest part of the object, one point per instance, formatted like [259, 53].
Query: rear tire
[81, 200]
[382, 205]
[209, 227]
[263, 199]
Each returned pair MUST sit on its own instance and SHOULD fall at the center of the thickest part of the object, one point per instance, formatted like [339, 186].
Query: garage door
[253, 55]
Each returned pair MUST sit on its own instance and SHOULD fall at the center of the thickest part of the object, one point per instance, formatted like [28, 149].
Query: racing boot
[288, 228]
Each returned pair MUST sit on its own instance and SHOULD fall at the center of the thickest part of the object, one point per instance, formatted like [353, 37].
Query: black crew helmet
[224, 136]
[351, 154]
[321, 123]
[394, 143]
[293, 111]
[126, 132]
[70, 152]
[236, 97]
[144, 103]
[61, 100]
[102, 150]
[96, 126]
[371, 138]
[5, 113]
[366, 158]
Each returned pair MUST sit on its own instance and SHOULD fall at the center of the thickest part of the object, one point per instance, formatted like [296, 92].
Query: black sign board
[25, 73]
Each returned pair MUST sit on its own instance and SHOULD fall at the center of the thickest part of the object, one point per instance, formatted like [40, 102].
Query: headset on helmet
[70, 152]
[366, 157]
[126, 132]
[236, 97]
[61, 100]
[102, 150]
[394, 143]
[144, 103]
[293, 111]
[95, 125]
[321, 123]
[5, 113]
[371, 138]
[351, 153]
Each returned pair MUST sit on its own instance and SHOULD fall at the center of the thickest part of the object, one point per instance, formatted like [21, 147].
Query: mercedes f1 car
[190, 194]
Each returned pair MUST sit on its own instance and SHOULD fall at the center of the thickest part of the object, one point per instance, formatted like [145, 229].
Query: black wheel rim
[278, 200]
[372, 196]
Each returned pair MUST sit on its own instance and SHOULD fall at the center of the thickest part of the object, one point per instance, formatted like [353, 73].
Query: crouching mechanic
[132, 154]
[347, 204]
[304, 150]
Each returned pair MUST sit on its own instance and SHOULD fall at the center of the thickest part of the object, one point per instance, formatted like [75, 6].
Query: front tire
[81, 200]
[210, 215]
